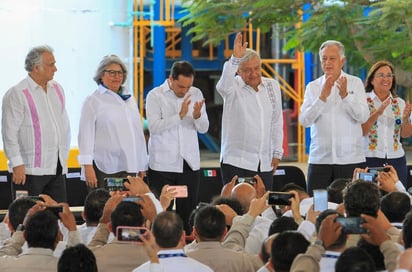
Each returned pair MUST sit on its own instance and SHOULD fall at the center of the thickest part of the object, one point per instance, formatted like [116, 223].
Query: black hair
[126, 214]
[355, 259]
[77, 258]
[18, 209]
[42, 230]
[361, 197]
[167, 229]
[183, 68]
[335, 190]
[341, 241]
[210, 223]
[395, 205]
[282, 223]
[94, 204]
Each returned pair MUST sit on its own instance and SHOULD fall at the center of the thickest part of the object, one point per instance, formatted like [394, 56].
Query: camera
[180, 191]
[250, 180]
[130, 234]
[351, 225]
[115, 184]
[279, 198]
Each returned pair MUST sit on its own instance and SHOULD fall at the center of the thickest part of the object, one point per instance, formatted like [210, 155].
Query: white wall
[80, 32]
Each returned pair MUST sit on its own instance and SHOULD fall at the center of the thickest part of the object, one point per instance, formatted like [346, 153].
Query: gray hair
[34, 57]
[331, 43]
[106, 61]
[249, 54]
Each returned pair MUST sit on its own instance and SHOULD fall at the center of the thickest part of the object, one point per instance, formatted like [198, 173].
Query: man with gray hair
[36, 128]
[252, 121]
[334, 107]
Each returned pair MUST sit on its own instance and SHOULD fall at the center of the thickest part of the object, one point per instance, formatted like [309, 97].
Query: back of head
[126, 214]
[77, 258]
[34, 57]
[375, 254]
[281, 224]
[395, 206]
[407, 230]
[244, 193]
[167, 229]
[41, 230]
[182, 68]
[210, 224]
[18, 209]
[354, 259]
[231, 202]
[361, 197]
[285, 247]
[341, 241]
[94, 204]
[294, 187]
[335, 190]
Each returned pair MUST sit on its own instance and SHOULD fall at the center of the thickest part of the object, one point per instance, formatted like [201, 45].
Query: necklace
[373, 132]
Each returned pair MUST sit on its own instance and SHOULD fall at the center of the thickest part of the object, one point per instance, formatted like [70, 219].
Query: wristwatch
[319, 243]
[20, 227]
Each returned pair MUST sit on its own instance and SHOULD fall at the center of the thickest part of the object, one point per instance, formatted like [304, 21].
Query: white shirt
[172, 139]
[36, 127]
[335, 125]
[385, 131]
[171, 263]
[328, 260]
[111, 133]
[252, 122]
[257, 234]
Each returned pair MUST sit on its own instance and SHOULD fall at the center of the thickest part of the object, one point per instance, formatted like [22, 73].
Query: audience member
[36, 128]
[117, 255]
[92, 212]
[41, 231]
[355, 259]
[77, 258]
[282, 223]
[285, 247]
[166, 249]
[406, 236]
[249, 147]
[175, 114]
[335, 190]
[209, 231]
[374, 252]
[395, 206]
[334, 107]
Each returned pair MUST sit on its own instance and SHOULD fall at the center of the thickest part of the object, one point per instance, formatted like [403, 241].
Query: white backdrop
[81, 32]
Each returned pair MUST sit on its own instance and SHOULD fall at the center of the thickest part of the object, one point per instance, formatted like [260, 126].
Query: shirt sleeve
[226, 82]
[87, 131]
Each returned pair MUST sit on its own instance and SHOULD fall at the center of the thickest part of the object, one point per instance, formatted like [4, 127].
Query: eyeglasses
[381, 75]
[113, 73]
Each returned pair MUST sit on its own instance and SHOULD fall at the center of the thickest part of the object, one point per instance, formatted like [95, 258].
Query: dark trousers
[52, 185]
[190, 178]
[321, 175]
[399, 164]
[229, 171]
[100, 175]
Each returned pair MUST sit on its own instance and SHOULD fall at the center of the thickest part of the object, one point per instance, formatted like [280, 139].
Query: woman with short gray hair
[111, 139]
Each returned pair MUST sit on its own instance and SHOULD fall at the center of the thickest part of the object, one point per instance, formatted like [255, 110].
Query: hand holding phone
[351, 225]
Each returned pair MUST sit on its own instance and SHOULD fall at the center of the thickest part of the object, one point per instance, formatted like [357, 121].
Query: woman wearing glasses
[111, 140]
[389, 120]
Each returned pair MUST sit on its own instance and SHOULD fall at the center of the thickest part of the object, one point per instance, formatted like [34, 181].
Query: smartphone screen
[130, 234]
[180, 191]
[279, 198]
[320, 200]
[115, 184]
[21, 193]
[132, 198]
[351, 225]
[250, 180]
[370, 177]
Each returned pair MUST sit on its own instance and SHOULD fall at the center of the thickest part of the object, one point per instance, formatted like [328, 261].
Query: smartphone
[279, 198]
[320, 200]
[21, 193]
[250, 180]
[55, 209]
[130, 234]
[180, 191]
[370, 177]
[35, 198]
[132, 198]
[351, 225]
[378, 169]
[115, 184]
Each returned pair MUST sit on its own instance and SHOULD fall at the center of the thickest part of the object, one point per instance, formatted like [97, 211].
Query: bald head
[244, 193]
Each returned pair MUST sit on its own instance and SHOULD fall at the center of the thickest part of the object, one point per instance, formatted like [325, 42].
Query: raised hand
[239, 47]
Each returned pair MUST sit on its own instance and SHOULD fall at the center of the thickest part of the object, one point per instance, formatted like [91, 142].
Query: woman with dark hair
[111, 139]
[389, 120]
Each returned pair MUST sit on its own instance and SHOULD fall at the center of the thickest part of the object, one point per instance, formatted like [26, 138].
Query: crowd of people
[144, 227]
